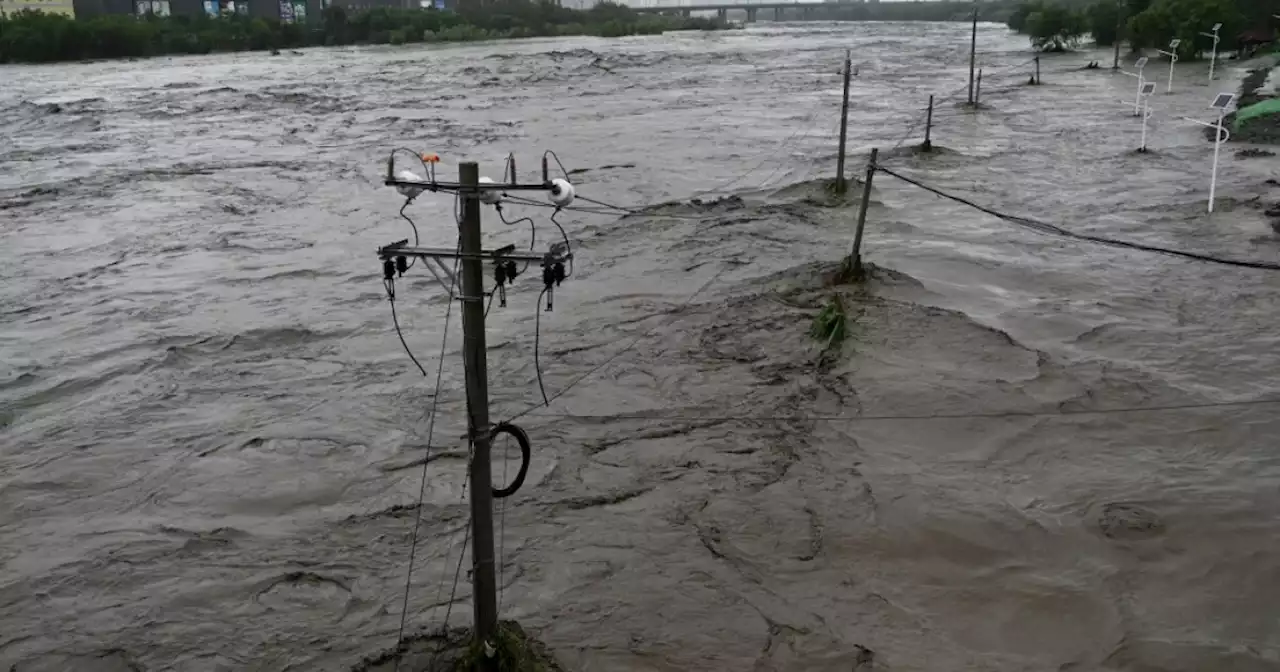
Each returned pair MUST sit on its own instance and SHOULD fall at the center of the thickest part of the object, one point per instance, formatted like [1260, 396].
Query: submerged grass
[831, 324]
[514, 651]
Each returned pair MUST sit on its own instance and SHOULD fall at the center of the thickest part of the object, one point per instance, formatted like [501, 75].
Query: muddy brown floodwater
[210, 438]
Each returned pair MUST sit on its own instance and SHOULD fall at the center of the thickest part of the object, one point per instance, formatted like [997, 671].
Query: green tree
[1104, 21]
[1018, 19]
[1185, 20]
[1055, 28]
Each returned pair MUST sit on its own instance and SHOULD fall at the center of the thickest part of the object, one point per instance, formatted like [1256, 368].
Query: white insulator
[489, 196]
[407, 175]
[562, 193]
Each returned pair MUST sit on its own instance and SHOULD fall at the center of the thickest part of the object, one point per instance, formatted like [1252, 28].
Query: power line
[431, 425]
[643, 415]
[1051, 229]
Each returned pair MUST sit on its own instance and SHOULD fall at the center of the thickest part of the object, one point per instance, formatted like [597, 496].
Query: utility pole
[841, 184]
[928, 129]
[1115, 65]
[973, 52]
[855, 257]
[472, 257]
[475, 362]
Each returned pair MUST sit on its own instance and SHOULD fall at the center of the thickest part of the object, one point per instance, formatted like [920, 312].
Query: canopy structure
[1261, 109]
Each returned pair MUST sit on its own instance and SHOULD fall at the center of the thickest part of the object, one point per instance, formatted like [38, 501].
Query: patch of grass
[831, 324]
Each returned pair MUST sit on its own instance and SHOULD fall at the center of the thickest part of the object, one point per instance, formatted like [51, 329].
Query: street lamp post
[1221, 135]
[1137, 101]
[1213, 59]
[1173, 60]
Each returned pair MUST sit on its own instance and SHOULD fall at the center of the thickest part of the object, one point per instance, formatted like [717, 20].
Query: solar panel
[1217, 27]
[1148, 88]
[1173, 44]
[1140, 63]
[1223, 101]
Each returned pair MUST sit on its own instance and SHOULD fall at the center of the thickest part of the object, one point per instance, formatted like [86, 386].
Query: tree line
[36, 37]
[1056, 25]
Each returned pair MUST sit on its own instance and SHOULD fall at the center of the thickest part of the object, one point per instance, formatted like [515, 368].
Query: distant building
[370, 4]
[287, 11]
[66, 7]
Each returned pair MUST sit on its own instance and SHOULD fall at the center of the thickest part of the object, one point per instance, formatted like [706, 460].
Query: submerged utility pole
[855, 257]
[841, 184]
[928, 129]
[1115, 65]
[473, 194]
[475, 362]
[973, 52]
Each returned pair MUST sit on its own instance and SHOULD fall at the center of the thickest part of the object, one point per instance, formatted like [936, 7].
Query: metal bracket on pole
[432, 185]
[439, 254]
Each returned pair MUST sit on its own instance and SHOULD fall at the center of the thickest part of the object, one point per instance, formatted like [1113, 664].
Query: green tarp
[1262, 109]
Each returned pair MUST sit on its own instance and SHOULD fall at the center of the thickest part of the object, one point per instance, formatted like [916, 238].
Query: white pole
[1146, 113]
[1137, 99]
[1213, 58]
[1217, 144]
[1173, 58]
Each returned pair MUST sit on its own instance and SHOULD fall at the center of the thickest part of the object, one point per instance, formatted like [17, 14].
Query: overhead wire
[431, 423]
[1052, 229]
[412, 225]
[389, 286]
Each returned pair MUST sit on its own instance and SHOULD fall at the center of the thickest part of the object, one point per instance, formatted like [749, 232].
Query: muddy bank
[1259, 130]
[453, 651]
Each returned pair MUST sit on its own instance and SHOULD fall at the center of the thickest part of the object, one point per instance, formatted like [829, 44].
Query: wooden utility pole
[973, 52]
[928, 129]
[856, 256]
[472, 258]
[841, 184]
[1115, 64]
[474, 359]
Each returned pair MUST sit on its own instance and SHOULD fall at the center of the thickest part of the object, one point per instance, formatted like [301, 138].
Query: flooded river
[210, 437]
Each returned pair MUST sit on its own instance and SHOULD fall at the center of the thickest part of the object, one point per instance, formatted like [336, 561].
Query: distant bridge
[722, 6]
[709, 5]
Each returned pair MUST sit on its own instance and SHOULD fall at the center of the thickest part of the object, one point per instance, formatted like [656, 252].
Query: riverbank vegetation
[37, 37]
[1056, 25]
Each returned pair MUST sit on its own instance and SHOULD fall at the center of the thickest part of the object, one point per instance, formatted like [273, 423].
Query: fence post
[1115, 65]
[856, 256]
[928, 129]
[973, 53]
[841, 185]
